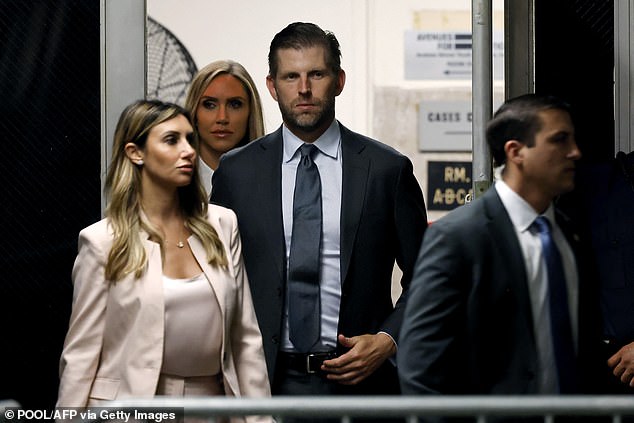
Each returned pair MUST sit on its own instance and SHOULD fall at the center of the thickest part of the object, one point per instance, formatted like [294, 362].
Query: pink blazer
[114, 345]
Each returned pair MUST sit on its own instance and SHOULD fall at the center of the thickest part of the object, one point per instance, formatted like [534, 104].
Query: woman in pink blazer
[161, 302]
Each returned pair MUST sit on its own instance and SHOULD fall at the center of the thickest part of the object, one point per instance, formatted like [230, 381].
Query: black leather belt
[304, 363]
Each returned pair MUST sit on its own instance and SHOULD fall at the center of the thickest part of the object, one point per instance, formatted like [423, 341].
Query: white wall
[377, 101]
[242, 30]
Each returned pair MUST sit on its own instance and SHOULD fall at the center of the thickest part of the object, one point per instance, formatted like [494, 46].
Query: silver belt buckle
[308, 369]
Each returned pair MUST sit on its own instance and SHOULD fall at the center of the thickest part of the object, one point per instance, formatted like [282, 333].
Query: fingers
[347, 342]
[614, 360]
[622, 365]
[627, 375]
[346, 371]
[356, 364]
[342, 364]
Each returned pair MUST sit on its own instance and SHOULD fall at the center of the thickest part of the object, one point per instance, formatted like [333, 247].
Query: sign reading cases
[448, 184]
[444, 126]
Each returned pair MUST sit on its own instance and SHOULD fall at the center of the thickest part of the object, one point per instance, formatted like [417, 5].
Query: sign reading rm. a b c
[448, 184]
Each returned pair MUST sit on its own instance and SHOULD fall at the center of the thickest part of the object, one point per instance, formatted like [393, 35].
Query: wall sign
[444, 126]
[446, 54]
[448, 184]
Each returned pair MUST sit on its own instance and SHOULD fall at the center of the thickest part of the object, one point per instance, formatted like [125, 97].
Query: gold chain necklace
[180, 243]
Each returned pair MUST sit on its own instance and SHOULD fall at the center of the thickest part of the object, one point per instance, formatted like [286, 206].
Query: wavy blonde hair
[123, 189]
[207, 74]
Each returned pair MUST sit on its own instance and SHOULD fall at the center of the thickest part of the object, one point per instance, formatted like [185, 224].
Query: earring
[139, 162]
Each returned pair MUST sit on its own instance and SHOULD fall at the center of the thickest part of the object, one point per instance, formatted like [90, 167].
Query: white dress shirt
[329, 163]
[522, 216]
[205, 173]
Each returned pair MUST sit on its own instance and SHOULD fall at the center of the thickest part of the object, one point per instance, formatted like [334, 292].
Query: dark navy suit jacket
[468, 326]
[383, 219]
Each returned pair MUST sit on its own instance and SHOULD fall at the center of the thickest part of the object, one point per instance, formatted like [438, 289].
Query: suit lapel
[501, 229]
[154, 291]
[150, 290]
[355, 177]
[567, 228]
[585, 275]
[268, 204]
[216, 277]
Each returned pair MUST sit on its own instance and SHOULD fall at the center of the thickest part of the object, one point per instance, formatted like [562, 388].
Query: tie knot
[308, 150]
[542, 224]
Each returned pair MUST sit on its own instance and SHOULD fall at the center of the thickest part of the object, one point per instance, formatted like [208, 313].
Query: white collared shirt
[329, 163]
[205, 173]
[522, 216]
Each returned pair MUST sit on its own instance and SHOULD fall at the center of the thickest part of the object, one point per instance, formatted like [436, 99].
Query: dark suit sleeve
[428, 344]
[220, 187]
[410, 219]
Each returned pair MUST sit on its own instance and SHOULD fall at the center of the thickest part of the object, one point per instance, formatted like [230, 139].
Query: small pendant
[180, 244]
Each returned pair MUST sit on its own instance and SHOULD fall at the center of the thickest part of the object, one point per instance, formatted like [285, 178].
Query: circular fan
[170, 67]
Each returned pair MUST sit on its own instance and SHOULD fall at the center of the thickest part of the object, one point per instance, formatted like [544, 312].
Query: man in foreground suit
[484, 315]
[372, 214]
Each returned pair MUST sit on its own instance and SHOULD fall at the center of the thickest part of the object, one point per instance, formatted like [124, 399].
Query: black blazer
[468, 325]
[382, 220]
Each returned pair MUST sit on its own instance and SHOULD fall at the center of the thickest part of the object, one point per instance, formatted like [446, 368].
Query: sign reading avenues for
[446, 55]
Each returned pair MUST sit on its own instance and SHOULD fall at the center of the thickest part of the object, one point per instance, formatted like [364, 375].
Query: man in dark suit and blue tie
[500, 301]
[324, 213]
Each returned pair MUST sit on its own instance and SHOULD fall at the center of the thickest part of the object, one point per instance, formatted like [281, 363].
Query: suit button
[275, 339]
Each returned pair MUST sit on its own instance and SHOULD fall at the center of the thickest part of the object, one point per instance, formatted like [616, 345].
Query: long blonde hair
[123, 189]
[207, 74]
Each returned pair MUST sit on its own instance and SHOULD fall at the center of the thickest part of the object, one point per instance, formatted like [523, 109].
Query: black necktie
[304, 262]
[561, 329]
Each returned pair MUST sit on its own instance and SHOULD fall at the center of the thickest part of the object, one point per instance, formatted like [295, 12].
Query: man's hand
[622, 364]
[366, 354]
